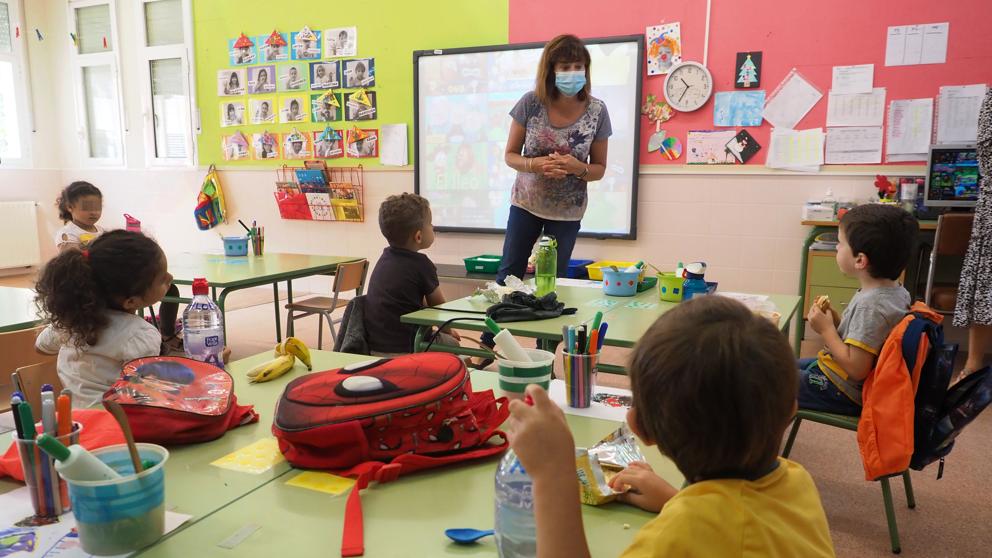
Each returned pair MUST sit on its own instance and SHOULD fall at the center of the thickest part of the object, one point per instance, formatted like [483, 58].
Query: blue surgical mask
[570, 83]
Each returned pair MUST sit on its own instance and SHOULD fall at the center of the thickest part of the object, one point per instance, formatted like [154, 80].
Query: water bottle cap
[200, 286]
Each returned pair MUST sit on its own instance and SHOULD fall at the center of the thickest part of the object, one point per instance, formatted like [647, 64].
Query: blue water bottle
[694, 284]
[203, 327]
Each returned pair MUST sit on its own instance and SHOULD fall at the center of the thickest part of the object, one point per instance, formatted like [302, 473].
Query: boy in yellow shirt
[714, 387]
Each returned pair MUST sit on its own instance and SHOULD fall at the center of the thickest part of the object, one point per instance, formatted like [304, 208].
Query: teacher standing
[557, 144]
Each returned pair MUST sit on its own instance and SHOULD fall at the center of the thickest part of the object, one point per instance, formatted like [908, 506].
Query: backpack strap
[911, 340]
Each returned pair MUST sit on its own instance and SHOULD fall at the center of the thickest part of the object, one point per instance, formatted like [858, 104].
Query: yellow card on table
[322, 482]
[255, 459]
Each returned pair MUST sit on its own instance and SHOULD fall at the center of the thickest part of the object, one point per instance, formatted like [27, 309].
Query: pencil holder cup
[580, 378]
[670, 287]
[620, 283]
[256, 246]
[49, 492]
[515, 376]
[125, 514]
[235, 245]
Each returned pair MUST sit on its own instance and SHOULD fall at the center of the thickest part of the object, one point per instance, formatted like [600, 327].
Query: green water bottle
[546, 266]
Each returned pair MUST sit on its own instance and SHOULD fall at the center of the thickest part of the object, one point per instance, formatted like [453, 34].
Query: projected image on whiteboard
[464, 100]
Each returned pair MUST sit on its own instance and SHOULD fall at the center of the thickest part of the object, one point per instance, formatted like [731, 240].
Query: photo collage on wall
[311, 79]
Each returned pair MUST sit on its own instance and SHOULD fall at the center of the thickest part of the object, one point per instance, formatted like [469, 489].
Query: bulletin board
[807, 35]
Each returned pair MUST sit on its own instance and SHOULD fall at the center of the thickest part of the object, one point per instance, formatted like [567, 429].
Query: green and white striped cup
[514, 376]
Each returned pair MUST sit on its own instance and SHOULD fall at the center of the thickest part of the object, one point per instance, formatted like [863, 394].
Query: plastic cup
[121, 515]
[49, 492]
[580, 378]
[515, 376]
[620, 283]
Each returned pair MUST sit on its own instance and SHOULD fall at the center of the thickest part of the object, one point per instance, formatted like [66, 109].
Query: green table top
[404, 518]
[226, 272]
[17, 309]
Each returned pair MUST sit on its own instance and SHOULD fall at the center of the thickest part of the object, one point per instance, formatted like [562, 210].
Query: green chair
[851, 423]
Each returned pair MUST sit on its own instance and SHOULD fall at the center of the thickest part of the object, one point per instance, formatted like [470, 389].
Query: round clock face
[688, 86]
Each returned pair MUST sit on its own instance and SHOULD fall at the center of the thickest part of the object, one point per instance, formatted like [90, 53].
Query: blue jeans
[818, 393]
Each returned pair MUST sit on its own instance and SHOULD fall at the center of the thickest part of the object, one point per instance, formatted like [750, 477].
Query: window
[95, 67]
[168, 102]
[15, 113]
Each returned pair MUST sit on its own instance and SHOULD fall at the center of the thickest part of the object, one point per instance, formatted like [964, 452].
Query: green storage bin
[485, 263]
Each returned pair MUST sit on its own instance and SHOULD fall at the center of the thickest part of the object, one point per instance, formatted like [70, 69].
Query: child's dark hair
[714, 386]
[77, 286]
[885, 233]
[402, 215]
[71, 194]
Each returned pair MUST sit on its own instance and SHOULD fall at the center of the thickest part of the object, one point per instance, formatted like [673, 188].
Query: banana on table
[286, 354]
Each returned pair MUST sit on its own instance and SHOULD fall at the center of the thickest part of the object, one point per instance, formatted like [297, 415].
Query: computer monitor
[952, 176]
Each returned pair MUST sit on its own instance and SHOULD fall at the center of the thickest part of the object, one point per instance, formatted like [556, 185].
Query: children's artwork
[657, 109]
[232, 113]
[671, 148]
[325, 107]
[263, 110]
[362, 143]
[235, 147]
[17, 539]
[324, 75]
[293, 109]
[292, 76]
[664, 43]
[742, 147]
[738, 108]
[328, 144]
[231, 83]
[748, 70]
[241, 51]
[261, 79]
[359, 73]
[306, 44]
[361, 105]
[296, 145]
[341, 41]
[274, 47]
[709, 147]
[266, 145]
[320, 206]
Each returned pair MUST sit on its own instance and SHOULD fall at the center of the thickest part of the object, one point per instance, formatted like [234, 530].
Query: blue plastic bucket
[126, 514]
[620, 283]
[235, 245]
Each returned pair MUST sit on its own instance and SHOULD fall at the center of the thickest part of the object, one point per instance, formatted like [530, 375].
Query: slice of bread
[823, 303]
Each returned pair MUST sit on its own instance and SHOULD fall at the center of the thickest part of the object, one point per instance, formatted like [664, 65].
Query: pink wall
[811, 36]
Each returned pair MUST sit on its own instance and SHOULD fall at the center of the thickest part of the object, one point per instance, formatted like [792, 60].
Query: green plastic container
[514, 377]
[670, 287]
[485, 263]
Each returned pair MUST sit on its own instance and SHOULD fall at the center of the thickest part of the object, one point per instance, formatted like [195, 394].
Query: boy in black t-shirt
[404, 280]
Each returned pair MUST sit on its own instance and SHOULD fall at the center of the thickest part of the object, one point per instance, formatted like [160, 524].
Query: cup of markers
[580, 359]
[49, 491]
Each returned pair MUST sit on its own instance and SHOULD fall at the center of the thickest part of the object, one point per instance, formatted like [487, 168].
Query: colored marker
[64, 408]
[602, 335]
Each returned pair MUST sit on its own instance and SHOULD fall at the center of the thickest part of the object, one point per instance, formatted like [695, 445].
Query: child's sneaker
[173, 346]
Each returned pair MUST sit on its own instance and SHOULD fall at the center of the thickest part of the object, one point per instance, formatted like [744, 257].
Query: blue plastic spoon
[467, 536]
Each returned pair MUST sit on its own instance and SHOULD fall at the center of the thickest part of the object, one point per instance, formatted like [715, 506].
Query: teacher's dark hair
[561, 49]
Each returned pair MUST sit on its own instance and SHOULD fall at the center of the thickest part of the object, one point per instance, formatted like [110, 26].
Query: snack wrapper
[597, 465]
[494, 292]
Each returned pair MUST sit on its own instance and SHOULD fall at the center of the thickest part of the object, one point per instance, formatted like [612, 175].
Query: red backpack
[383, 418]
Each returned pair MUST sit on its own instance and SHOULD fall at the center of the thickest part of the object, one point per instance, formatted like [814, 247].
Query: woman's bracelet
[584, 173]
[528, 164]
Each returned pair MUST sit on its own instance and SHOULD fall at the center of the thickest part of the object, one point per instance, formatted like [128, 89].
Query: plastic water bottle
[516, 533]
[546, 266]
[203, 327]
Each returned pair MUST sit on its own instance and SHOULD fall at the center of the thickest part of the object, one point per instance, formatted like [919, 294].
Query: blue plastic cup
[126, 514]
[235, 246]
[620, 283]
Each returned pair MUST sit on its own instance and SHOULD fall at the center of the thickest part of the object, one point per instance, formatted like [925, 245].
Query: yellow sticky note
[255, 459]
[321, 482]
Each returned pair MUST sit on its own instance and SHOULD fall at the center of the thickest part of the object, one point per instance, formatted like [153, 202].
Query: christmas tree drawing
[747, 73]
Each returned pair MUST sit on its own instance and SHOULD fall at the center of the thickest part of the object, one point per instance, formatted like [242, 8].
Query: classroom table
[17, 309]
[231, 274]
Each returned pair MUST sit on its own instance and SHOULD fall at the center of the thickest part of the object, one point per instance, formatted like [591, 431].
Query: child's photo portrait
[293, 110]
[324, 75]
[274, 47]
[342, 41]
[306, 44]
[262, 110]
[325, 107]
[231, 83]
[292, 77]
[359, 73]
[232, 113]
[357, 110]
[262, 79]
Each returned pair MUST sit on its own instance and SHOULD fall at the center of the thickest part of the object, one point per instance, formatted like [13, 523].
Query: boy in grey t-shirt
[875, 244]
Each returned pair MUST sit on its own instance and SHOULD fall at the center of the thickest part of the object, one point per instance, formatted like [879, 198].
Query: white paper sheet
[910, 129]
[854, 145]
[895, 45]
[853, 79]
[798, 150]
[790, 101]
[392, 145]
[907, 45]
[596, 410]
[957, 112]
[581, 283]
[858, 109]
[935, 43]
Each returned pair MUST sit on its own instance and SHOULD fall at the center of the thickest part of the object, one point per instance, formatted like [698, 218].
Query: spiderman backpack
[383, 418]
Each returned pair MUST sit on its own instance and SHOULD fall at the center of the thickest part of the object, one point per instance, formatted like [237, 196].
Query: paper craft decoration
[293, 109]
[241, 50]
[266, 145]
[296, 145]
[362, 143]
[748, 70]
[306, 44]
[263, 110]
[664, 43]
[709, 147]
[325, 107]
[274, 47]
[292, 76]
[738, 108]
[231, 83]
[261, 79]
[742, 147]
[328, 144]
[656, 139]
[657, 109]
[235, 147]
[324, 75]
[232, 113]
[361, 105]
[359, 73]
[341, 41]
[671, 148]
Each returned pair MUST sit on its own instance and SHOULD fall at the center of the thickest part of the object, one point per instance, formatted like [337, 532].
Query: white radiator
[19, 245]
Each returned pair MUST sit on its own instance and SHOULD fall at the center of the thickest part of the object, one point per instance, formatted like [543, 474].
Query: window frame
[22, 86]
